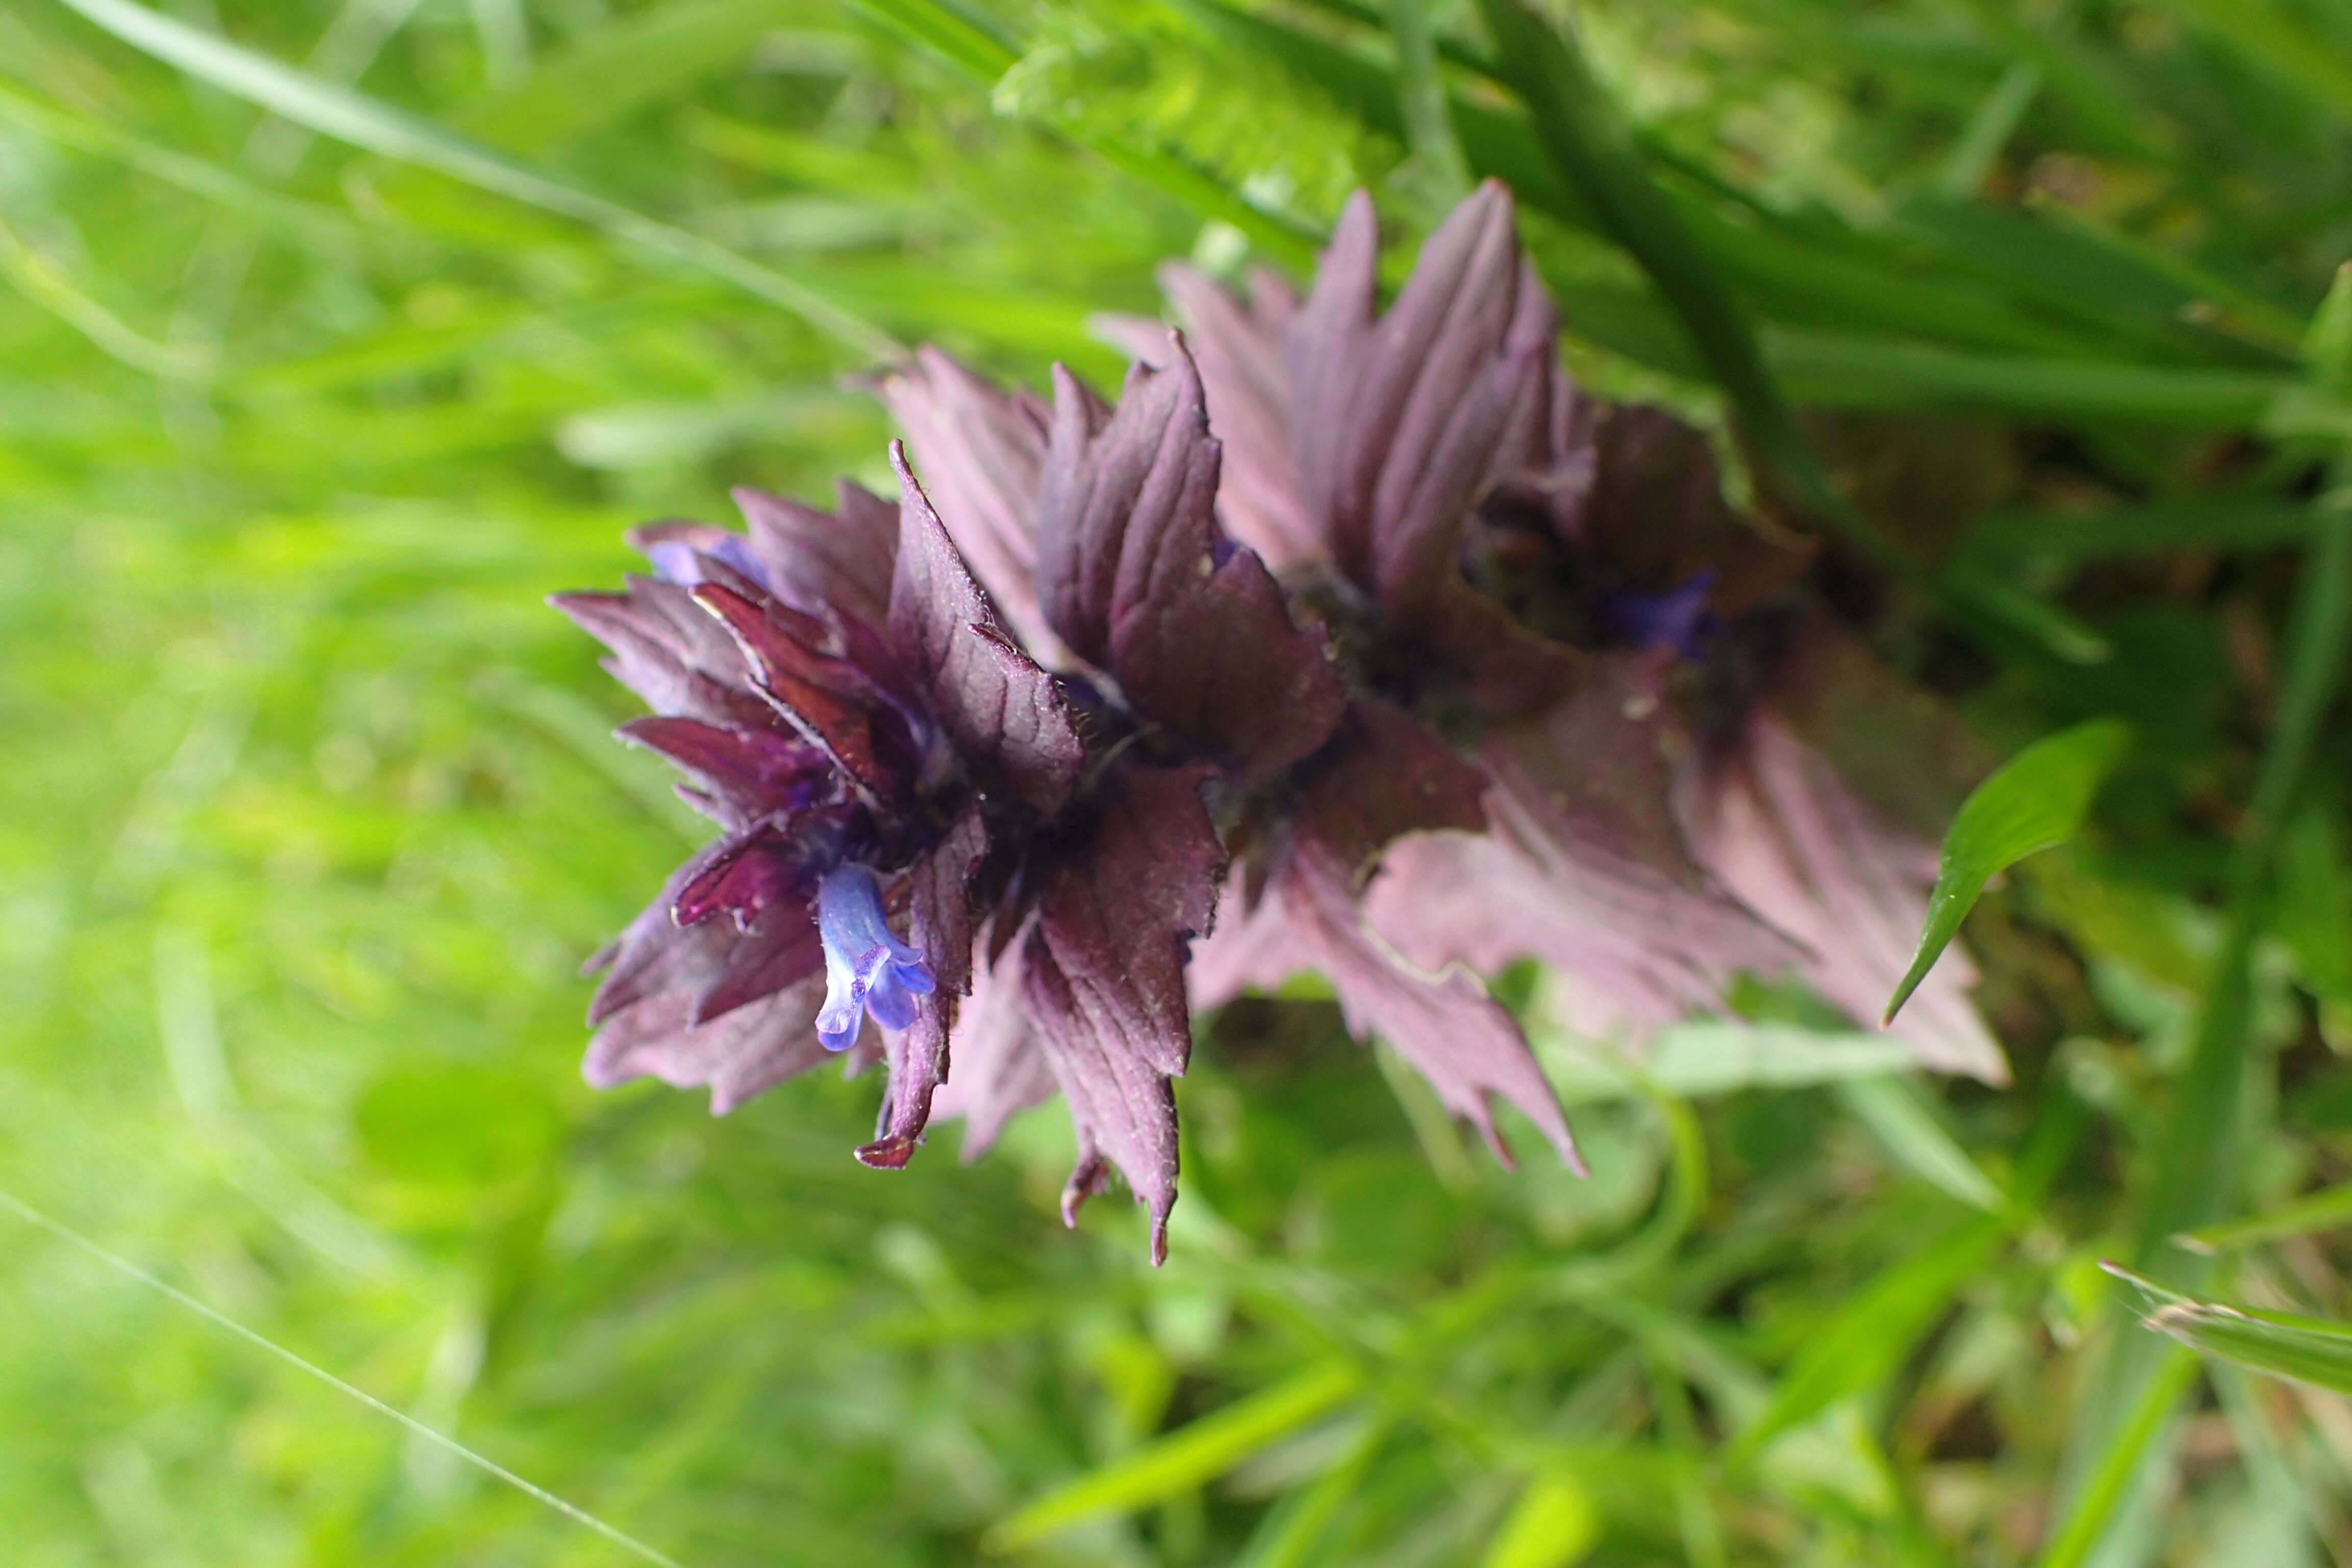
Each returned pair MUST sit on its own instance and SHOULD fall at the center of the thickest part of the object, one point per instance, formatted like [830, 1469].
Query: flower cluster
[1422, 663]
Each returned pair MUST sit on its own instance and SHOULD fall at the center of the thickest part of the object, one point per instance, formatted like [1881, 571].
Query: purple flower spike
[866, 969]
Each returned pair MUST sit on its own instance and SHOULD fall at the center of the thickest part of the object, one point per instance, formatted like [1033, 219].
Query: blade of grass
[1846, 370]
[1989, 131]
[2316, 1351]
[2095, 1504]
[1588, 142]
[1897, 1116]
[2271, 40]
[1862, 1342]
[377, 126]
[630, 61]
[1554, 1524]
[1185, 1458]
[1421, 95]
[2208, 524]
[2329, 1209]
[985, 54]
[1291, 1531]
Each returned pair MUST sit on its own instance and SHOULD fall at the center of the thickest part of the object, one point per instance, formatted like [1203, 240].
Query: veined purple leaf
[1103, 970]
[1138, 579]
[997, 1068]
[999, 708]
[838, 563]
[984, 450]
[1400, 417]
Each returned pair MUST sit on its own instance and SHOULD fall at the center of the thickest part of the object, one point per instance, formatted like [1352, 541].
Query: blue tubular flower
[1677, 619]
[866, 969]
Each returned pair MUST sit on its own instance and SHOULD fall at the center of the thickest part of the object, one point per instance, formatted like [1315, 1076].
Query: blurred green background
[309, 812]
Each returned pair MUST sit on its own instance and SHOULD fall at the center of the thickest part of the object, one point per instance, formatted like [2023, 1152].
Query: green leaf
[2316, 1351]
[1553, 1525]
[2036, 801]
[365, 122]
[1185, 1458]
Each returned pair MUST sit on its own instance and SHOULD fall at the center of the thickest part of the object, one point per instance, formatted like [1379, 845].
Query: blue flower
[866, 969]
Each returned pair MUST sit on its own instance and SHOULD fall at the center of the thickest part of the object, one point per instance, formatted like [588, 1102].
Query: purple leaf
[680, 669]
[1304, 916]
[820, 562]
[1138, 579]
[1402, 418]
[1104, 974]
[1651, 511]
[999, 708]
[1119, 899]
[1585, 868]
[1243, 355]
[984, 450]
[1382, 776]
[755, 772]
[827, 699]
[998, 1070]
[1462, 1040]
[749, 1051]
[743, 874]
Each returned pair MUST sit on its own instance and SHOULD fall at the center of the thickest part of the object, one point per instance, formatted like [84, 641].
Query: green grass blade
[1294, 1527]
[2328, 1209]
[2220, 523]
[952, 32]
[1698, 1059]
[1895, 1115]
[1849, 370]
[2036, 801]
[1183, 1460]
[1553, 1525]
[1978, 597]
[1862, 1342]
[630, 62]
[2316, 1351]
[2119, 1464]
[2280, 45]
[376, 127]
[1420, 92]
